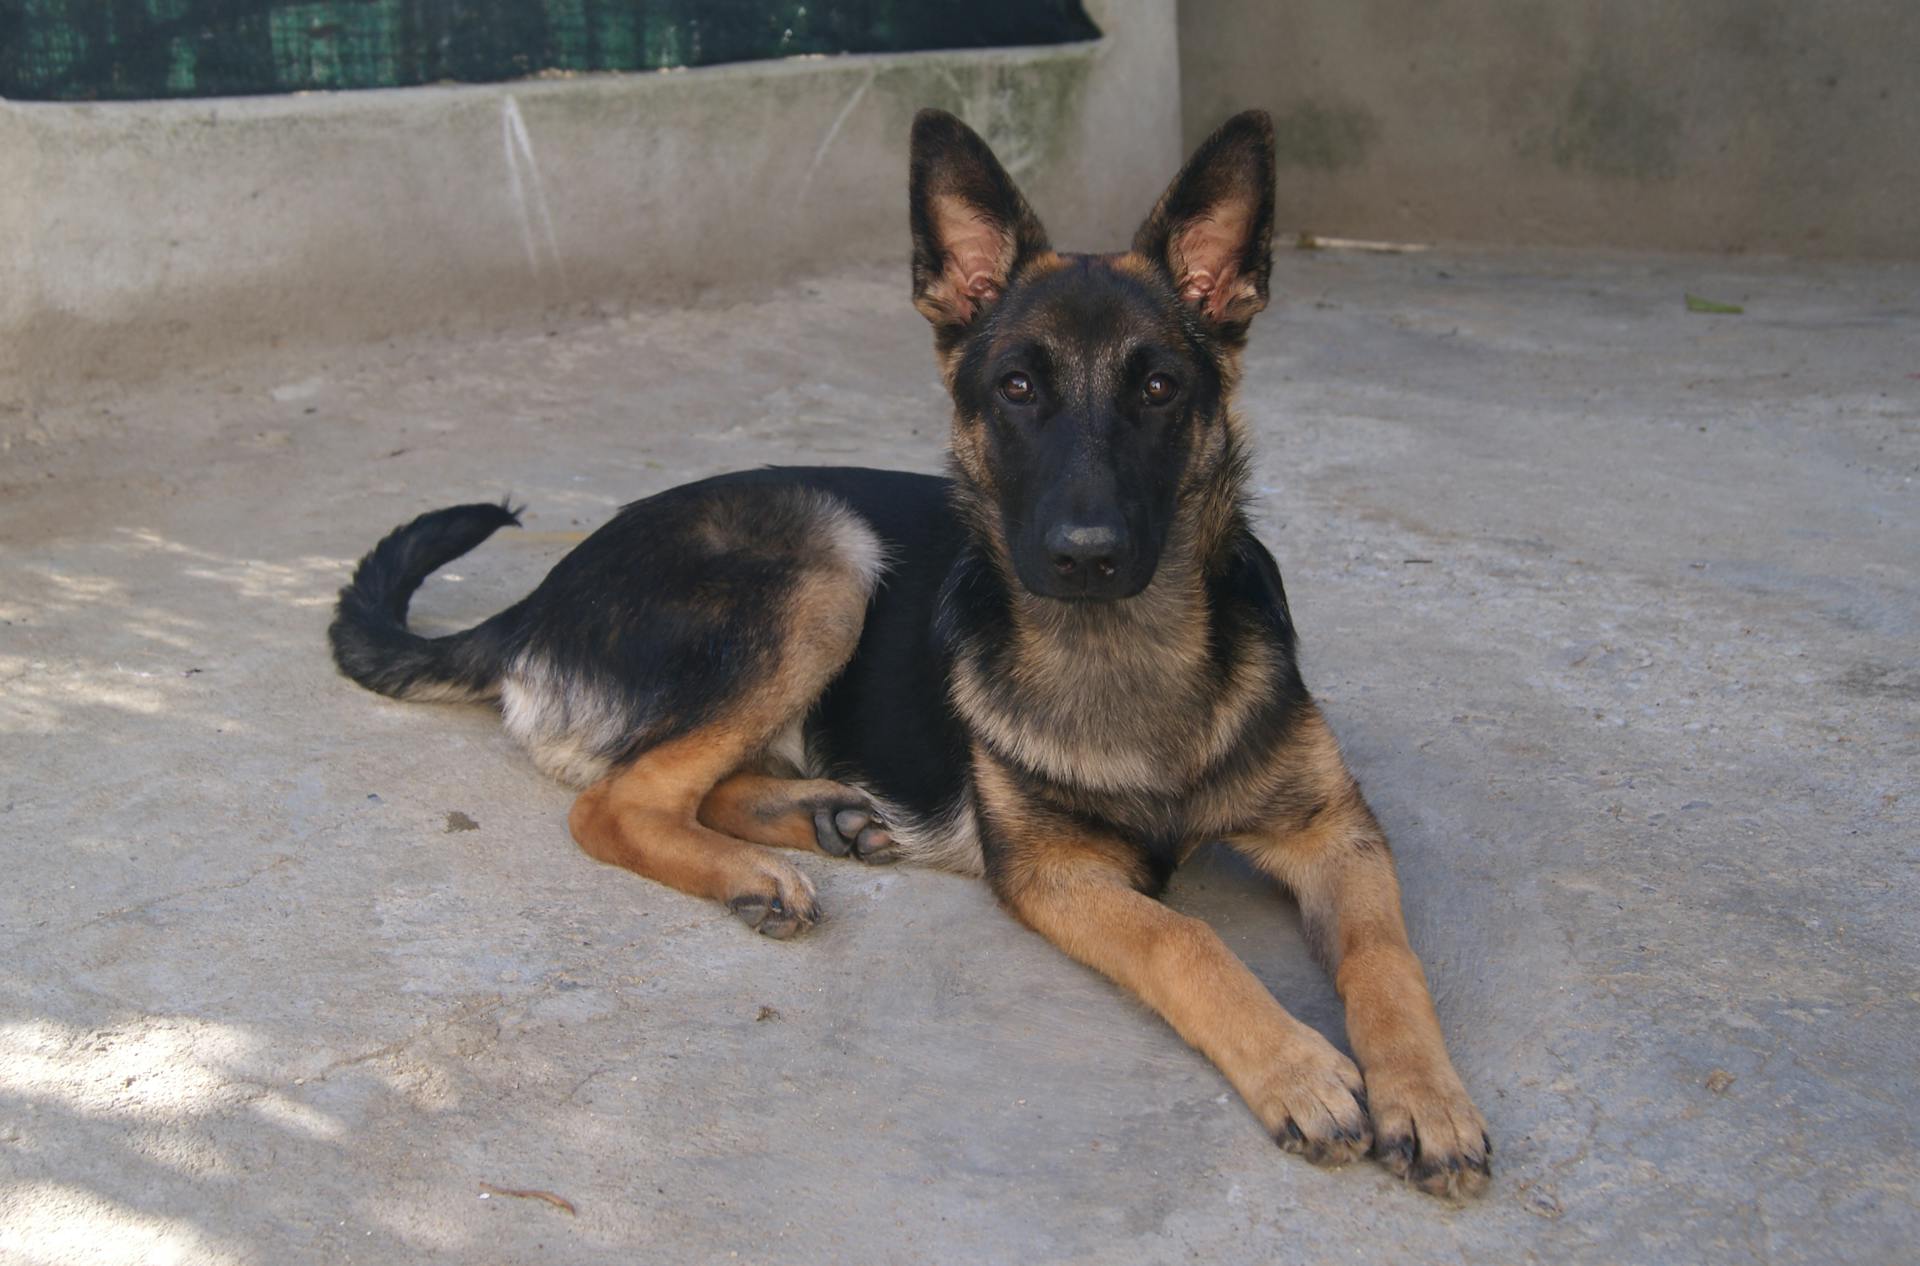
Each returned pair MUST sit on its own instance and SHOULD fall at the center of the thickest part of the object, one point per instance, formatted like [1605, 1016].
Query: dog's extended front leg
[1426, 1128]
[1303, 1090]
[1080, 892]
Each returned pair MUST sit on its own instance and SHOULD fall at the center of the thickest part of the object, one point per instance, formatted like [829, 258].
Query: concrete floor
[1614, 605]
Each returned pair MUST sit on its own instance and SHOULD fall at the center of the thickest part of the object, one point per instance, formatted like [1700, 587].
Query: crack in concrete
[460, 1015]
[138, 907]
[833, 131]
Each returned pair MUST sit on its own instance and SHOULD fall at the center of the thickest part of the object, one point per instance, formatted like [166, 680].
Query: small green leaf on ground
[458, 821]
[1696, 304]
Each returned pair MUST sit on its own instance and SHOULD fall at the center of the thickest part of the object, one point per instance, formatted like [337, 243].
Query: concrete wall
[137, 236]
[18, 284]
[1722, 125]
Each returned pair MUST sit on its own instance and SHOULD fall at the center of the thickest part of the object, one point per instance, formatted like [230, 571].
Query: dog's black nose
[1085, 551]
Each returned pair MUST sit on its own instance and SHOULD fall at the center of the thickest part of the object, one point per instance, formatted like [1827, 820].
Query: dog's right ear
[971, 228]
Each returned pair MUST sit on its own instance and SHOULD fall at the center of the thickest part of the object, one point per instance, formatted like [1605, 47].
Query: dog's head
[1090, 391]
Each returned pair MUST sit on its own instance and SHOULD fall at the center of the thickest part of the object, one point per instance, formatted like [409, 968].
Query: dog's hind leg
[647, 815]
[645, 819]
[805, 813]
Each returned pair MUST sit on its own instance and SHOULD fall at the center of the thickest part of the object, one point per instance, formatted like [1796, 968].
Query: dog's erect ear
[1213, 228]
[971, 227]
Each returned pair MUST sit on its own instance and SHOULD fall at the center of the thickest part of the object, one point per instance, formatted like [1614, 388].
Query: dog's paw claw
[1322, 1119]
[1344, 1143]
[1429, 1134]
[1396, 1153]
[1458, 1176]
[785, 909]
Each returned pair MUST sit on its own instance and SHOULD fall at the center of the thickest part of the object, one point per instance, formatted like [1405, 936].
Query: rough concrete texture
[1613, 605]
[139, 235]
[1723, 125]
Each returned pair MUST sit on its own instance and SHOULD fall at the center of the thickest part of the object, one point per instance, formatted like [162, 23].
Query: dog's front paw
[1427, 1131]
[780, 903]
[1312, 1102]
[854, 828]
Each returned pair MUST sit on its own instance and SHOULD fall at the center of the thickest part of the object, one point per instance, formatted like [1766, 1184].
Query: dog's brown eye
[1017, 388]
[1159, 388]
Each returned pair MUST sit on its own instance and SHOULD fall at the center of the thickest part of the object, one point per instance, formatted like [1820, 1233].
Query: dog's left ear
[1213, 228]
[971, 228]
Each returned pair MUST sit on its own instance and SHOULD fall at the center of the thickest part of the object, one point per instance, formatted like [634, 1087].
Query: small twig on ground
[1314, 242]
[530, 1193]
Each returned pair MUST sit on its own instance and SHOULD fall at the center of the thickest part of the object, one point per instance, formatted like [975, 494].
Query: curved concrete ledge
[134, 236]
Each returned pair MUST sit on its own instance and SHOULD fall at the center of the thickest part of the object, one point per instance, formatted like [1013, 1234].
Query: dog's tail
[371, 642]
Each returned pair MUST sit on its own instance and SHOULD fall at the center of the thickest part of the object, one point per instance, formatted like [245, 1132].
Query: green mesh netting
[79, 50]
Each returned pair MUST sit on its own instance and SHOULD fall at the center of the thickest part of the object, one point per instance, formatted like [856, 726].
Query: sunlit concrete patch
[151, 1068]
[57, 1224]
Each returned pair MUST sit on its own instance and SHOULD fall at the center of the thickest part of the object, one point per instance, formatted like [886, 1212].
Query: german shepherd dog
[1062, 667]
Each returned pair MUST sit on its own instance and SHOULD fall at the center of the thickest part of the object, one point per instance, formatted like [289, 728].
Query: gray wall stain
[1610, 129]
[1324, 137]
[1756, 125]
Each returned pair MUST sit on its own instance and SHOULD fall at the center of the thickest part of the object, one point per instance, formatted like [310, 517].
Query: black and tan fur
[1063, 668]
